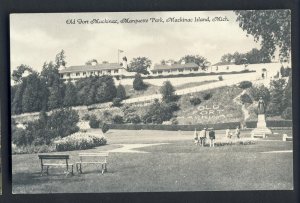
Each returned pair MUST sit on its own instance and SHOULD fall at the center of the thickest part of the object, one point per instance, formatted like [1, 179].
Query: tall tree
[60, 59]
[56, 95]
[271, 27]
[121, 93]
[277, 89]
[168, 92]
[16, 105]
[199, 60]
[138, 83]
[140, 65]
[70, 98]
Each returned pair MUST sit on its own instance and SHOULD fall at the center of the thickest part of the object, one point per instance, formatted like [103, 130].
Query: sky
[37, 38]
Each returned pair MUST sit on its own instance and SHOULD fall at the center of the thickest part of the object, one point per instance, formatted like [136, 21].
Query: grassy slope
[223, 97]
[177, 166]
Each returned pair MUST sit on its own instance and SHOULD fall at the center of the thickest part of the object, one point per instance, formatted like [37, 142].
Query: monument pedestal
[261, 130]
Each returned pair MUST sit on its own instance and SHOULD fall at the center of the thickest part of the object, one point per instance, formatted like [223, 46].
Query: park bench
[285, 138]
[98, 158]
[56, 160]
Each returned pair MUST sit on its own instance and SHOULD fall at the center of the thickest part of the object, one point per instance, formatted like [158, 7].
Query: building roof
[97, 67]
[174, 66]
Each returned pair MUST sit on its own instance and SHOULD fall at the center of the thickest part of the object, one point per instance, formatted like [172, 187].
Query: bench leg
[102, 169]
[105, 167]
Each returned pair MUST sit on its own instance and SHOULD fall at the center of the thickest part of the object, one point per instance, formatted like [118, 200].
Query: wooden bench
[93, 158]
[55, 157]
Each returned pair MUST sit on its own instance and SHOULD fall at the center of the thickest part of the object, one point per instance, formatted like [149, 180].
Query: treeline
[45, 91]
[251, 57]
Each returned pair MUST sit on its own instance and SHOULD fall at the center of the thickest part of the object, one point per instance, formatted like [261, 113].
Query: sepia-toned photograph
[151, 101]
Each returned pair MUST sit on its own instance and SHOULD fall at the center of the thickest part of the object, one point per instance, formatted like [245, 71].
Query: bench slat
[86, 162]
[54, 156]
[57, 164]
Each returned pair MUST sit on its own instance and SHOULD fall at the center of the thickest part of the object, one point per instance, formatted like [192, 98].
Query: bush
[79, 141]
[117, 102]
[220, 77]
[168, 92]
[117, 119]
[245, 98]
[132, 118]
[138, 83]
[195, 101]
[287, 113]
[260, 91]
[245, 84]
[206, 96]
[121, 93]
[94, 122]
[105, 128]
[19, 137]
[86, 117]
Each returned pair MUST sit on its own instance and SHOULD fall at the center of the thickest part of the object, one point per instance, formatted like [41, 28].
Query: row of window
[174, 70]
[92, 73]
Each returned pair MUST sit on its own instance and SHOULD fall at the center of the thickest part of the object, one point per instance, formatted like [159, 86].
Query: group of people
[200, 138]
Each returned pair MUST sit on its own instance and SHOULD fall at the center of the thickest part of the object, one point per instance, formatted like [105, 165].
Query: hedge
[217, 126]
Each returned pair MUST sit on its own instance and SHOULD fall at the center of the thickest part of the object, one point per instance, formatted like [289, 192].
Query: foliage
[245, 84]
[195, 101]
[91, 61]
[79, 141]
[60, 59]
[271, 27]
[168, 92]
[287, 113]
[285, 72]
[220, 77]
[245, 98]
[94, 122]
[138, 83]
[140, 65]
[199, 60]
[18, 73]
[117, 102]
[70, 98]
[277, 89]
[121, 93]
[159, 112]
[86, 117]
[206, 96]
[260, 91]
[105, 128]
[117, 119]
[132, 118]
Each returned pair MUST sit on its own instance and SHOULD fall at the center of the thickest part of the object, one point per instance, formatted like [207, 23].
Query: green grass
[177, 166]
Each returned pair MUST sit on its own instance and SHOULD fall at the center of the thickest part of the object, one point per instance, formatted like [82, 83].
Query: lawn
[177, 166]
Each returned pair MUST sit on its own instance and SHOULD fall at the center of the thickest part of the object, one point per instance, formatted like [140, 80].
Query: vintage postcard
[151, 101]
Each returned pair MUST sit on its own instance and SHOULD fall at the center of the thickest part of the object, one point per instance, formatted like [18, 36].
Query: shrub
[206, 96]
[117, 119]
[245, 98]
[105, 128]
[94, 122]
[168, 92]
[132, 118]
[79, 141]
[138, 83]
[245, 84]
[117, 102]
[86, 117]
[220, 77]
[174, 121]
[195, 101]
[19, 137]
[121, 93]
[260, 91]
[287, 113]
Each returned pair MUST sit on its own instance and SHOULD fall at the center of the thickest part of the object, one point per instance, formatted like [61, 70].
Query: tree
[91, 61]
[70, 98]
[138, 83]
[56, 95]
[16, 106]
[121, 93]
[18, 73]
[271, 27]
[260, 91]
[60, 59]
[277, 89]
[199, 60]
[140, 65]
[168, 92]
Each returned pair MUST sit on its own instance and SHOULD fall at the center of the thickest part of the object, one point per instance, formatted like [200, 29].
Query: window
[84, 73]
[68, 74]
[116, 71]
[77, 74]
[159, 72]
[180, 70]
[109, 71]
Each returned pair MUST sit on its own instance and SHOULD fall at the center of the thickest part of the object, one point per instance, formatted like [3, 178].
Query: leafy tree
[138, 83]
[140, 65]
[50, 73]
[91, 61]
[56, 95]
[168, 92]
[121, 93]
[271, 27]
[199, 60]
[70, 98]
[277, 88]
[260, 91]
[16, 106]
[18, 73]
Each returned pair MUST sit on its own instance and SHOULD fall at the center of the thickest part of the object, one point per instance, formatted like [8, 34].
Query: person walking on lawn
[202, 137]
[196, 139]
[237, 132]
[212, 138]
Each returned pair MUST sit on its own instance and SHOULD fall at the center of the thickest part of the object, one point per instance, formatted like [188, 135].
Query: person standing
[237, 132]
[202, 136]
[212, 138]
[196, 139]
